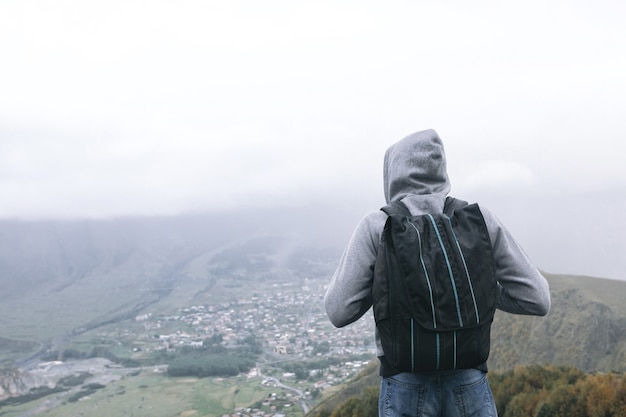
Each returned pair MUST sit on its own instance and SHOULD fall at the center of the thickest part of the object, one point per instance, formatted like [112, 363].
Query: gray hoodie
[415, 172]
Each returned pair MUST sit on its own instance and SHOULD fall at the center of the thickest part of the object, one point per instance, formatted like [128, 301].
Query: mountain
[586, 328]
[65, 278]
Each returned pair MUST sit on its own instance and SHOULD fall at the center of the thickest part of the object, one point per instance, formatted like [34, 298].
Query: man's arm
[522, 289]
[349, 293]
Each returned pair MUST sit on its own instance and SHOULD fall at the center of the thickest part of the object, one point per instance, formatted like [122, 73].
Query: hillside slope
[60, 279]
[586, 328]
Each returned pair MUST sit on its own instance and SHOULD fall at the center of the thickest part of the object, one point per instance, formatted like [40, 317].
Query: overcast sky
[115, 108]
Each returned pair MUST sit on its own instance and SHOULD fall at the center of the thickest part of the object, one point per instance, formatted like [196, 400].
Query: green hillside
[526, 391]
[586, 328]
[568, 363]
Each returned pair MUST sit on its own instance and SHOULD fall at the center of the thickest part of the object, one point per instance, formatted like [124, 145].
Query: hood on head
[416, 165]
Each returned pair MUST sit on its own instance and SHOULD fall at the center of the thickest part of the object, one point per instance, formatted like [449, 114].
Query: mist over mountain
[110, 269]
[63, 278]
[577, 233]
[83, 284]
[59, 253]
[574, 235]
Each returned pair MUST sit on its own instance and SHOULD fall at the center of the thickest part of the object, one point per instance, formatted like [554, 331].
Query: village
[289, 322]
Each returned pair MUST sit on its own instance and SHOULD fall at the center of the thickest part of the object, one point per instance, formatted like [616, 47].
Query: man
[415, 173]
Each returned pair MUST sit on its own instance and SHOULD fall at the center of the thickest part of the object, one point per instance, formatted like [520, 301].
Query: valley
[285, 316]
[94, 314]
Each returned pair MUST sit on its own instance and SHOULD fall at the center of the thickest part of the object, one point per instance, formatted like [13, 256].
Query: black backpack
[434, 290]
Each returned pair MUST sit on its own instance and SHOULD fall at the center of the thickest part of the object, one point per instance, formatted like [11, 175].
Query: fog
[120, 109]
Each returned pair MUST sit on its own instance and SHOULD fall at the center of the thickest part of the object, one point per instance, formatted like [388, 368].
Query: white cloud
[497, 174]
[140, 107]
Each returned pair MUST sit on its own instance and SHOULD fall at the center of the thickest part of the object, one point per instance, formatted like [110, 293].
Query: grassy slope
[155, 395]
[334, 396]
[577, 300]
[606, 291]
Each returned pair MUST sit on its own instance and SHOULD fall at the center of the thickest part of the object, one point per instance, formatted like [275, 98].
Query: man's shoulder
[372, 223]
[374, 217]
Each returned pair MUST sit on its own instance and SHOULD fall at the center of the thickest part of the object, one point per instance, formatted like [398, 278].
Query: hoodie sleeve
[349, 293]
[522, 289]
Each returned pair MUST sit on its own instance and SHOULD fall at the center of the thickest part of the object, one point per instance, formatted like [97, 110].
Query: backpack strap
[452, 204]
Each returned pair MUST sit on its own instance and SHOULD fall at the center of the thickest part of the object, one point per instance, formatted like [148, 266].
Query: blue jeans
[460, 393]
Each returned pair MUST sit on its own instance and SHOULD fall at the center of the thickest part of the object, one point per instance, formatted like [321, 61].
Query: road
[278, 383]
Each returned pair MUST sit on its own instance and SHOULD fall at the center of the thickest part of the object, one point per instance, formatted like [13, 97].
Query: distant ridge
[586, 328]
[60, 278]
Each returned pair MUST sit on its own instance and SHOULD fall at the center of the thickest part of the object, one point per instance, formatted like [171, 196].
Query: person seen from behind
[415, 173]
